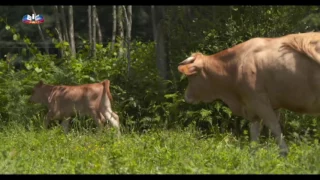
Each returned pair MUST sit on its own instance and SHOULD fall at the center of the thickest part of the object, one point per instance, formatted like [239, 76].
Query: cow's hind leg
[270, 119]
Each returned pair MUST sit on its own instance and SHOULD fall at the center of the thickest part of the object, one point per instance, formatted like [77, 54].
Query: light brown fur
[65, 101]
[258, 77]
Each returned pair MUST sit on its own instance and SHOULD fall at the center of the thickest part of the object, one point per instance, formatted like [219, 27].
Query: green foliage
[132, 105]
[158, 152]
[142, 99]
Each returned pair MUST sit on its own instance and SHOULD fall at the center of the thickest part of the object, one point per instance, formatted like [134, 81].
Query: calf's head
[38, 93]
[198, 84]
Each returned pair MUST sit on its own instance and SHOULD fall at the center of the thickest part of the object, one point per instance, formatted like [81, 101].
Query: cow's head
[37, 93]
[198, 84]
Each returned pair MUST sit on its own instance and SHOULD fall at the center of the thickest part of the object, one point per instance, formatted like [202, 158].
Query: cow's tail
[305, 43]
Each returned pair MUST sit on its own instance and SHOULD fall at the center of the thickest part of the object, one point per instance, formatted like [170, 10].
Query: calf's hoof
[284, 153]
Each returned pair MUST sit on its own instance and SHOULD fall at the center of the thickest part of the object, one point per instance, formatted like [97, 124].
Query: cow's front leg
[270, 119]
[255, 128]
[281, 120]
[254, 123]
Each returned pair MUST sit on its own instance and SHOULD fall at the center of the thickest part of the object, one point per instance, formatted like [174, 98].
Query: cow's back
[288, 78]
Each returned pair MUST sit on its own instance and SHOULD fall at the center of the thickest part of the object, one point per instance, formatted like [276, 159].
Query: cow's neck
[223, 71]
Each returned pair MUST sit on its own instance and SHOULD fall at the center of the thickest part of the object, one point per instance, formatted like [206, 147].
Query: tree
[94, 31]
[98, 28]
[64, 25]
[154, 23]
[114, 26]
[128, 17]
[58, 26]
[120, 30]
[90, 24]
[41, 33]
[159, 38]
[71, 31]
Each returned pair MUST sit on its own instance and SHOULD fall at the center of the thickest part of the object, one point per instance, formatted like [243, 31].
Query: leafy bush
[142, 99]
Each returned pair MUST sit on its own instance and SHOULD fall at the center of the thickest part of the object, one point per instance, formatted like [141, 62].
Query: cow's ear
[187, 69]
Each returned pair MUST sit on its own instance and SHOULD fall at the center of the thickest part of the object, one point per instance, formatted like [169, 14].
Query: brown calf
[87, 99]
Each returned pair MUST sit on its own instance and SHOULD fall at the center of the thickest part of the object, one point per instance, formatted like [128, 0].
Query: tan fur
[258, 77]
[306, 43]
[87, 99]
[107, 89]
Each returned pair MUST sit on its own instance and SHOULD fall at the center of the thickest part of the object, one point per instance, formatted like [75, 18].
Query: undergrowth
[155, 152]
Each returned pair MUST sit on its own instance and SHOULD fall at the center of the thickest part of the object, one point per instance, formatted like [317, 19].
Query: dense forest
[138, 48]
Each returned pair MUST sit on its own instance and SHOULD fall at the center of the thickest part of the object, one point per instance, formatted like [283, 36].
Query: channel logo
[33, 19]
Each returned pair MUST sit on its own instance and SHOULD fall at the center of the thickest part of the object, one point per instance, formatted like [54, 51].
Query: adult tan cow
[87, 99]
[258, 77]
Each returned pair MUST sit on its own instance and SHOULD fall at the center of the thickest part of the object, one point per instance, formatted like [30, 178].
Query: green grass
[163, 152]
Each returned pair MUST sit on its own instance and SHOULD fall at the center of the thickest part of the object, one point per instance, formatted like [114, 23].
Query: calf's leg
[50, 116]
[66, 125]
[97, 118]
[113, 118]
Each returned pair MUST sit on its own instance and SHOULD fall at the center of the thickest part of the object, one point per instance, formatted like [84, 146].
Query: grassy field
[164, 152]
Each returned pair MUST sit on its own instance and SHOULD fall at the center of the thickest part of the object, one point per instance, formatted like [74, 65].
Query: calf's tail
[106, 106]
[106, 94]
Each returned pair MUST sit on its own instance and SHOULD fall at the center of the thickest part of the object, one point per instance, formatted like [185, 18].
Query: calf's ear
[40, 83]
[187, 69]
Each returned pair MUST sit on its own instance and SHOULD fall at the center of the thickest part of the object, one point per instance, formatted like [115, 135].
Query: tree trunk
[154, 23]
[90, 26]
[121, 31]
[161, 52]
[41, 34]
[114, 26]
[58, 27]
[128, 17]
[94, 31]
[158, 34]
[64, 25]
[71, 30]
[98, 28]
[189, 13]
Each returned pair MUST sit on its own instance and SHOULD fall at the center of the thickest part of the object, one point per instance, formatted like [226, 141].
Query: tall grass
[39, 151]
